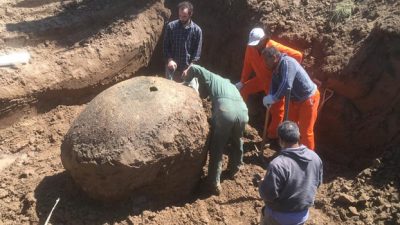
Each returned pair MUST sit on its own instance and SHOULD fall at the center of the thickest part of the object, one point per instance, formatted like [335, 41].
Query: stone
[345, 199]
[3, 193]
[353, 211]
[32, 140]
[383, 216]
[363, 199]
[346, 188]
[379, 201]
[367, 172]
[142, 137]
[26, 173]
[377, 163]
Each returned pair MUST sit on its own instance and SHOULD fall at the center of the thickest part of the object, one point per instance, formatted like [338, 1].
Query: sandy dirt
[36, 178]
[75, 46]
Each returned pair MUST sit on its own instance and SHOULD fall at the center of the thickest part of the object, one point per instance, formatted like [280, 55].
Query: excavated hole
[351, 129]
[356, 125]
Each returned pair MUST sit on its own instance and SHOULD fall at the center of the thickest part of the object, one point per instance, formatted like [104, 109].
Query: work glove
[239, 85]
[268, 101]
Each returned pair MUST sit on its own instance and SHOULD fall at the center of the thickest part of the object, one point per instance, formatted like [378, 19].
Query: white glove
[194, 83]
[268, 101]
[239, 85]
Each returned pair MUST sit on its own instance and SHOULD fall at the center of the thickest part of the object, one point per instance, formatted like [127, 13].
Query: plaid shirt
[182, 44]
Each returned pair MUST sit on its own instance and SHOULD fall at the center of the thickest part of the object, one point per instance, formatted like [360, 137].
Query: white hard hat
[256, 34]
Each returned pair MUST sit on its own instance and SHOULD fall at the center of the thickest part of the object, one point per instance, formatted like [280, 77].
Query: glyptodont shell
[142, 137]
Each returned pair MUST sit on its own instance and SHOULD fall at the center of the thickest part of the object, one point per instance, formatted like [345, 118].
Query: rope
[328, 93]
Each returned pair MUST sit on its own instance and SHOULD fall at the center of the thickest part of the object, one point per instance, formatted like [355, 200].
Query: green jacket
[218, 88]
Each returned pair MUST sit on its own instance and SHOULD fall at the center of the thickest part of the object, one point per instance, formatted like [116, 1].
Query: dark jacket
[183, 44]
[290, 74]
[292, 179]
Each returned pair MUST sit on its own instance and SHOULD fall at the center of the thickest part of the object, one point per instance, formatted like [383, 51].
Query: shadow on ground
[76, 208]
[78, 21]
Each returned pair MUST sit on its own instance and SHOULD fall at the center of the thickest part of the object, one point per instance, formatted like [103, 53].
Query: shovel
[287, 101]
[264, 136]
[285, 117]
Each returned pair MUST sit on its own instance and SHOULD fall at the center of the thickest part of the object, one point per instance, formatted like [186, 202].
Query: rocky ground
[32, 178]
[370, 197]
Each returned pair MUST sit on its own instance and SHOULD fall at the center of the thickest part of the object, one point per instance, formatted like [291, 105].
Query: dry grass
[342, 11]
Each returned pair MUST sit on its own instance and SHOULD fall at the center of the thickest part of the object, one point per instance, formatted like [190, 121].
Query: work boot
[216, 189]
[210, 188]
[232, 172]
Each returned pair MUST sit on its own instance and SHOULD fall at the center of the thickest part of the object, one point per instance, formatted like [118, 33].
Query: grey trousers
[227, 128]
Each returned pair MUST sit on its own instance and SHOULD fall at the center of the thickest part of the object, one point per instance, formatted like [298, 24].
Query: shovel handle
[264, 136]
[287, 101]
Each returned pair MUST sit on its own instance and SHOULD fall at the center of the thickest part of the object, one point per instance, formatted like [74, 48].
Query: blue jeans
[267, 219]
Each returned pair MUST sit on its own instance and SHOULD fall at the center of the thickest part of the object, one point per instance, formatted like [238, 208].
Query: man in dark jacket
[229, 118]
[304, 94]
[290, 184]
[182, 42]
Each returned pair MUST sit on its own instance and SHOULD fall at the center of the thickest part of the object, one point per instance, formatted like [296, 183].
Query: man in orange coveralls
[253, 62]
[304, 95]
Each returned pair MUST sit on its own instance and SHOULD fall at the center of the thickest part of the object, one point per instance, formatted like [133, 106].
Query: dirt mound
[361, 120]
[352, 48]
[76, 47]
[349, 46]
[138, 136]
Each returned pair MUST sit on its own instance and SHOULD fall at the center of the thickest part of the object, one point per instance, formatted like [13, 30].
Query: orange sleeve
[247, 69]
[284, 49]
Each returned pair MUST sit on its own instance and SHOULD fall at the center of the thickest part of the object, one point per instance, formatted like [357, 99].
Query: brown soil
[77, 48]
[357, 131]
[31, 185]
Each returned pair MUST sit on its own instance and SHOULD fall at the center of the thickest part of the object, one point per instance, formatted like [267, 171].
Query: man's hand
[172, 65]
[268, 101]
[257, 179]
[184, 73]
[239, 85]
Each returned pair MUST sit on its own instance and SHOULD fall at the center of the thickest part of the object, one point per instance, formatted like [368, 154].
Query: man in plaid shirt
[182, 43]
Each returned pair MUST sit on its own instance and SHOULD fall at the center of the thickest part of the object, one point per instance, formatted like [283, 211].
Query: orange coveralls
[253, 61]
[305, 114]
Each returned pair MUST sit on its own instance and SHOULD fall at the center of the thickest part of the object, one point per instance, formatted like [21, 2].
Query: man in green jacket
[229, 118]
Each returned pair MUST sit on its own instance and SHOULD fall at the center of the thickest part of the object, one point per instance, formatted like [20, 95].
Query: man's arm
[167, 43]
[271, 184]
[287, 72]
[247, 69]
[196, 46]
[287, 50]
